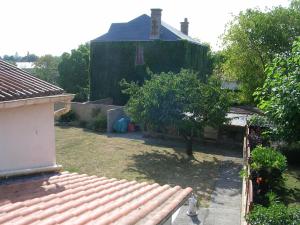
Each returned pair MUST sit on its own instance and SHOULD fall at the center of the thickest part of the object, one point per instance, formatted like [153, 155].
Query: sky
[56, 26]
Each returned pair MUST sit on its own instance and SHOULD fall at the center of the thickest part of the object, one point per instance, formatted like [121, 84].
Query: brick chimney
[155, 23]
[184, 26]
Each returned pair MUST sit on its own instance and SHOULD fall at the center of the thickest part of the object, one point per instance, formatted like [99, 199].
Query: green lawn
[131, 157]
[291, 191]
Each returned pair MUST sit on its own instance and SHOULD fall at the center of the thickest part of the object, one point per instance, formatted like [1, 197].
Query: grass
[290, 193]
[131, 157]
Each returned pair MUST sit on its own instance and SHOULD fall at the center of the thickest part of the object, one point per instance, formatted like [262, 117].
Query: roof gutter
[12, 173]
[37, 100]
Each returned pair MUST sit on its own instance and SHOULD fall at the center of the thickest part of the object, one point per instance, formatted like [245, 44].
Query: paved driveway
[225, 204]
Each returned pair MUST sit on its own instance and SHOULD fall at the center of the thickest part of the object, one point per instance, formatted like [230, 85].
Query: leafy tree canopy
[74, 72]
[176, 100]
[280, 95]
[253, 39]
[46, 68]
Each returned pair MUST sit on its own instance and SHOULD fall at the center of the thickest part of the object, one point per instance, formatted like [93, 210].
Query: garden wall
[112, 116]
[85, 111]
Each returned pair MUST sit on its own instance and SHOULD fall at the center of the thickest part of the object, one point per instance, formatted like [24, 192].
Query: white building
[27, 141]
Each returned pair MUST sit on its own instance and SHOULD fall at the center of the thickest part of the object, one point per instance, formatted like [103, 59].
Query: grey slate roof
[138, 29]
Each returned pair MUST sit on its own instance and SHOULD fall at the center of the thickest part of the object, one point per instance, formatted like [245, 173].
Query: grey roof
[138, 29]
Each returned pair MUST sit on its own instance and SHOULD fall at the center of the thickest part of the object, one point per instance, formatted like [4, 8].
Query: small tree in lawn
[176, 100]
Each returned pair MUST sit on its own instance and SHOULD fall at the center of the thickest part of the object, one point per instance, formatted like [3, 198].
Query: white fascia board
[37, 100]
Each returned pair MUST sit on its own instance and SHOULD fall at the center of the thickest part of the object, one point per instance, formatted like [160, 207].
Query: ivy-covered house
[128, 49]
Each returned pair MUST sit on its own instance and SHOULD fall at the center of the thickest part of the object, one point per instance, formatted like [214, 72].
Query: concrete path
[225, 202]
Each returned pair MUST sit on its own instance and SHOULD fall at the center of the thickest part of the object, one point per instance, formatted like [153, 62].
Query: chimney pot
[155, 23]
[184, 28]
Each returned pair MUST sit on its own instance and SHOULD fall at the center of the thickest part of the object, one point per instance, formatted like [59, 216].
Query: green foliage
[244, 173]
[263, 158]
[253, 39]
[179, 100]
[46, 68]
[275, 214]
[99, 123]
[113, 61]
[272, 197]
[16, 58]
[29, 58]
[291, 152]
[258, 120]
[68, 117]
[74, 72]
[280, 95]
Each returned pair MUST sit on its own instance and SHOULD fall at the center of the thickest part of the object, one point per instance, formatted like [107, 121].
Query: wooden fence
[247, 192]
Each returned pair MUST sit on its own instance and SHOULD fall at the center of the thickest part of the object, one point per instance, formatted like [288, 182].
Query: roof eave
[36, 100]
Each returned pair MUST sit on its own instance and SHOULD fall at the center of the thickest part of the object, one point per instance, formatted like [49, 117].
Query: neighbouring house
[33, 191]
[128, 49]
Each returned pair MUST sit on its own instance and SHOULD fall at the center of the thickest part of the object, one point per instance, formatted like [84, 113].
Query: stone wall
[85, 111]
[112, 116]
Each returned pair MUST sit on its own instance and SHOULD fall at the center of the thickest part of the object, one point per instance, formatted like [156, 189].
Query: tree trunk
[189, 146]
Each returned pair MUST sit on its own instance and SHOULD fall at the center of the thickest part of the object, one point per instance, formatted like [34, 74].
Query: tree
[176, 100]
[10, 59]
[29, 58]
[253, 39]
[46, 68]
[74, 72]
[279, 97]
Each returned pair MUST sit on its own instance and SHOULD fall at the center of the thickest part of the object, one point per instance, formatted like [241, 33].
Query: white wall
[27, 138]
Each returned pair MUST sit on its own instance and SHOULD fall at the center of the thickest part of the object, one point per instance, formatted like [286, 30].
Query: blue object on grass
[121, 125]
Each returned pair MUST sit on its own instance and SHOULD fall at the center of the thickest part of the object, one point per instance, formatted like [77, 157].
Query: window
[139, 55]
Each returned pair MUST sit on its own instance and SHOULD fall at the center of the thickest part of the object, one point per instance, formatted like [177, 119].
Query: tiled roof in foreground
[19, 84]
[73, 199]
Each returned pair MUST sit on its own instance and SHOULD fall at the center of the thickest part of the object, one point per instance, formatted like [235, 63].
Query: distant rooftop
[19, 84]
[25, 65]
[139, 28]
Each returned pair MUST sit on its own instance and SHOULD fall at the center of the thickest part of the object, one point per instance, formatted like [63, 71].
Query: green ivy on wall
[113, 61]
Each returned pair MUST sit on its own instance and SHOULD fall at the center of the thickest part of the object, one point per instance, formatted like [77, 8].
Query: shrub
[264, 158]
[100, 122]
[68, 117]
[258, 120]
[276, 214]
[260, 130]
[267, 166]
[255, 138]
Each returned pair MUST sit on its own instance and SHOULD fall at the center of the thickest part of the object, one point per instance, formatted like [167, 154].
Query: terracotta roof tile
[19, 84]
[70, 198]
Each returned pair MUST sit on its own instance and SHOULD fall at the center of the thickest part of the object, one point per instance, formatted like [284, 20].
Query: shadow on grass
[231, 150]
[289, 192]
[222, 149]
[164, 167]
